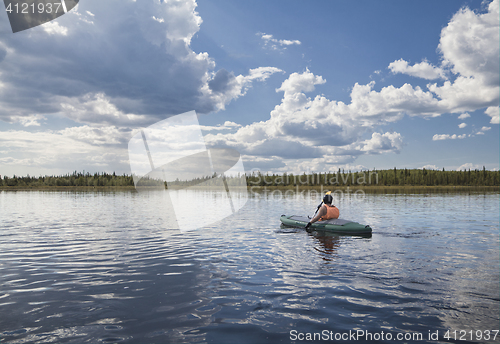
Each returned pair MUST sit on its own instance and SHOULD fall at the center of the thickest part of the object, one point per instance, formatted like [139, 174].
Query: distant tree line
[105, 179]
[214, 180]
[74, 179]
[392, 177]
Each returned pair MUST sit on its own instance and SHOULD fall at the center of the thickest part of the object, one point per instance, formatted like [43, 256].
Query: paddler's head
[328, 199]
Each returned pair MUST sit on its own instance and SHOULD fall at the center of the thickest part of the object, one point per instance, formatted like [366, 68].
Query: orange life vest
[332, 212]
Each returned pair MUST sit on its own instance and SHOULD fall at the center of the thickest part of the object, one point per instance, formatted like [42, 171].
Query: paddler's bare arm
[321, 213]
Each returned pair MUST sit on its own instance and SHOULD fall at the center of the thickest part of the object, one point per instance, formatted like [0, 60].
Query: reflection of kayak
[334, 225]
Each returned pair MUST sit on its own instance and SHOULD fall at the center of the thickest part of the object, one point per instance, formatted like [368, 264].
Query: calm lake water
[90, 267]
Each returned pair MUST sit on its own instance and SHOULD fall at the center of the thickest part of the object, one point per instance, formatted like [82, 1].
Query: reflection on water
[329, 243]
[103, 267]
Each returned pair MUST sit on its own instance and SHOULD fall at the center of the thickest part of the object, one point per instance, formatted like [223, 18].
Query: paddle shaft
[317, 209]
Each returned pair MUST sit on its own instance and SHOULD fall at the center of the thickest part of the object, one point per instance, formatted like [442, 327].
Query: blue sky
[293, 86]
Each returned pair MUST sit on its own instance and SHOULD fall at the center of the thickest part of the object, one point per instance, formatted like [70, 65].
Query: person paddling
[326, 211]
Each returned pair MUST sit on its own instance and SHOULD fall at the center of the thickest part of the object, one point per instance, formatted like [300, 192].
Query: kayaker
[326, 211]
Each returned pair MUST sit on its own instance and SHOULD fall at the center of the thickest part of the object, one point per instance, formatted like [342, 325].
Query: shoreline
[365, 188]
[69, 188]
[379, 187]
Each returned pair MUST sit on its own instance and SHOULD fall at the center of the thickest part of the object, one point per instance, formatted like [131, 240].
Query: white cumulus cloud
[483, 129]
[468, 166]
[422, 70]
[494, 113]
[438, 137]
[102, 135]
[223, 86]
[276, 44]
[429, 167]
[469, 47]
[53, 28]
[381, 143]
[297, 83]
[29, 121]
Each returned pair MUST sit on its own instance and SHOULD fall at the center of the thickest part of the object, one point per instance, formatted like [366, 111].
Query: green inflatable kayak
[335, 225]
